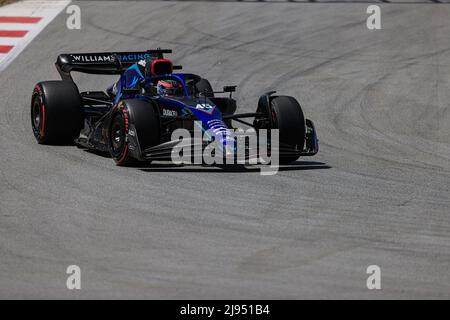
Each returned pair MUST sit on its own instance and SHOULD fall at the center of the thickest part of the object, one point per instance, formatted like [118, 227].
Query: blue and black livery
[131, 121]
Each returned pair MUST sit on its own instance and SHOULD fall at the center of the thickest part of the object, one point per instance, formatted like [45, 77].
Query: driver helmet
[168, 87]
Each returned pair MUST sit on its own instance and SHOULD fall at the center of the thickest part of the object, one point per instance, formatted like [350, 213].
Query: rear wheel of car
[204, 87]
[56, 112]
[287, 116]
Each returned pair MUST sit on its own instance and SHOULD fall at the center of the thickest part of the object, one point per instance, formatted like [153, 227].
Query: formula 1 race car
[133, 120]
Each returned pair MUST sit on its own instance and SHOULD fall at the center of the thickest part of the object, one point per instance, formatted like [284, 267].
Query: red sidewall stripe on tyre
[124, 154]
[125, 120]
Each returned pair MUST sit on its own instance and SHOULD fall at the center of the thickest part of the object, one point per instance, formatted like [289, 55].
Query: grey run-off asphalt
[377, 193]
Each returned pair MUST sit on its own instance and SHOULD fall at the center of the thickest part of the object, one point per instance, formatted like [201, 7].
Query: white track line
[48, 10]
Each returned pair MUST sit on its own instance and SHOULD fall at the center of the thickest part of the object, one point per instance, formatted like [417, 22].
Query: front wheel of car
[132, 128]
[118, 138]
[288, 118]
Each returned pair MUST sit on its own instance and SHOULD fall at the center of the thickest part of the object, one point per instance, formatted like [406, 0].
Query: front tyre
[287, 116]
[133, 128]
[118, 138]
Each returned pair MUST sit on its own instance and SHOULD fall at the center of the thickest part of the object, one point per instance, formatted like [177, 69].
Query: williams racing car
[133, 120]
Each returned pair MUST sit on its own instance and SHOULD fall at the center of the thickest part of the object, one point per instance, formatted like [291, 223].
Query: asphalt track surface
[377, 193]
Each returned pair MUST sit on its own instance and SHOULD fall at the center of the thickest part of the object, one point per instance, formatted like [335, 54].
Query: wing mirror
[229, 89]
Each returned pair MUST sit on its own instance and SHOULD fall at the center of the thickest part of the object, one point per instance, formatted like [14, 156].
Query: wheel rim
[36, 116]
[117, 136]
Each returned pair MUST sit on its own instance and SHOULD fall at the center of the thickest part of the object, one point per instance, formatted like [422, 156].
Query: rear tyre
[288, 117]
[204, 87]
[56, 112]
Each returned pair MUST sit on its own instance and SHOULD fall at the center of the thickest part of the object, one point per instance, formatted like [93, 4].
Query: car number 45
[204, 107]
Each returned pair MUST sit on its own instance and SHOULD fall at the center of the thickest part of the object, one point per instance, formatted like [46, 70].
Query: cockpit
[173, 85]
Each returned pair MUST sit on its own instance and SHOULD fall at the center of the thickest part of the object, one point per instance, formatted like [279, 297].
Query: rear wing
[104, 62]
